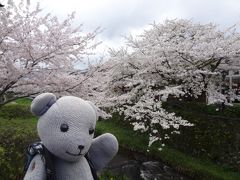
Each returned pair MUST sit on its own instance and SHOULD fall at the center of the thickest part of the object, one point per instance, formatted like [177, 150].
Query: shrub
[15, 135]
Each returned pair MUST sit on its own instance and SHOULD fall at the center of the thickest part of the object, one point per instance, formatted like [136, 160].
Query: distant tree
[177, 58]
[38, 52]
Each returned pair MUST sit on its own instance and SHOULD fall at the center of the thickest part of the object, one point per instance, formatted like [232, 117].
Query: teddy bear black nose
[80, 147]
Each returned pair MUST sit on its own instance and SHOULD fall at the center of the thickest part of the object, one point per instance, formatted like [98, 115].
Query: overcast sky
[120, 18]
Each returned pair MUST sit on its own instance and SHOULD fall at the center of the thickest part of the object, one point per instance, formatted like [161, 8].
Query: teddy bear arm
[102, 150]
[36, 169]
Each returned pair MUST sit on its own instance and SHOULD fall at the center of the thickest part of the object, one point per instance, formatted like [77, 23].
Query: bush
[15, 135]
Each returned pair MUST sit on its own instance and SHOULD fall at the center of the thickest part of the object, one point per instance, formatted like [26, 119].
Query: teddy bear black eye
[64, 127]
[91, 131]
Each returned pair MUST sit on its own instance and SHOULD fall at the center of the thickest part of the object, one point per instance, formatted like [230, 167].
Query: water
[137, 166]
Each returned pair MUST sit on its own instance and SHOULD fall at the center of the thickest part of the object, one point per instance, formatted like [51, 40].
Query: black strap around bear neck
[47, 157]
[49, 165]
[50, 170]
[94, 173]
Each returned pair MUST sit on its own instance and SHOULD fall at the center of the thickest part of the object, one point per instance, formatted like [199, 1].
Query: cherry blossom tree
[178, 58]
[38, 53]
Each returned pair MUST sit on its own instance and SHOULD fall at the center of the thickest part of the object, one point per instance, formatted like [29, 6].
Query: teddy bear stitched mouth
[78, 142]
[74, 154]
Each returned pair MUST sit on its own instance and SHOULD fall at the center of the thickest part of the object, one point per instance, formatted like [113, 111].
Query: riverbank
[182, 163]
[18, 129]
[134, 165]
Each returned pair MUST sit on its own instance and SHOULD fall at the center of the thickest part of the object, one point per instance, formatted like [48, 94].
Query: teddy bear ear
[42, 103]
[95, 108]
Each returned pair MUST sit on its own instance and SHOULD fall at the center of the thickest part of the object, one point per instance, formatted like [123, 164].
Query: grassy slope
[214, 136]
[128, 139]
[200, 108]
[196, 168]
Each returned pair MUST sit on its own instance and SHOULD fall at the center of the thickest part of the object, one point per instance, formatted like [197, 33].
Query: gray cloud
[222, 13]
[120, 17]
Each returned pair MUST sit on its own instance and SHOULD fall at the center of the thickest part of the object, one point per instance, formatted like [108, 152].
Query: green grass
[195, 168]
[24, 101]
[107, 175]
[17, 115]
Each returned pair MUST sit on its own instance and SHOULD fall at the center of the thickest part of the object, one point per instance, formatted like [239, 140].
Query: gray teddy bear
[66, 128]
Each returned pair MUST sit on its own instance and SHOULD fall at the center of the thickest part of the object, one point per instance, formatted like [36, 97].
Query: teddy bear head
[65, 126]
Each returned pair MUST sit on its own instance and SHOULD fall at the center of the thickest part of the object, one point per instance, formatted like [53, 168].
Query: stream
[137, 166]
